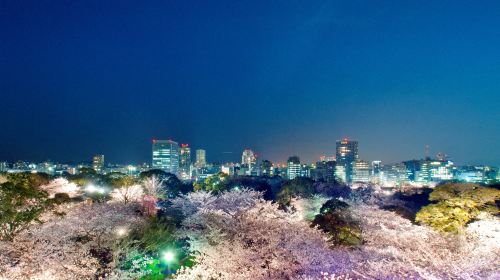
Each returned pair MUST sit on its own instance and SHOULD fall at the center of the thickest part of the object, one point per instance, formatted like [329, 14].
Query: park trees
[335, 219]
[298, 187]
[21, 203]
[456, 205]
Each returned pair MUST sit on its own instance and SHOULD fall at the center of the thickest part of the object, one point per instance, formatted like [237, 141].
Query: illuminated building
[248, 161]
[248, 157]
[185, 162]
[340, 174]
[477, 174]
[435, 171]
[361, 171]
[98, 163]
[293, 169]
[201, 159]
[166, 156]
[441, 170]
[3, 166]
[347, 153]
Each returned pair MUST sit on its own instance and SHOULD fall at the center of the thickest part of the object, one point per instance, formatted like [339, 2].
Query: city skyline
[236, 157]
[82, 78]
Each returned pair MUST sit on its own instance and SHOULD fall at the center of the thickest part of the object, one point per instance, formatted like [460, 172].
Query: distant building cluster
[345, 166]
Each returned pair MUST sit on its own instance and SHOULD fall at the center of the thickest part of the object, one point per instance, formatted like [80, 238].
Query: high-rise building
[347, 153]
[166, 156]
[248, 161]
[361, 171]
[98, 163]
[185, 162]
[201, 158]
[248, 157]
[293, 169]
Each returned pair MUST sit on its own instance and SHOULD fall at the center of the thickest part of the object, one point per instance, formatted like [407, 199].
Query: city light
[168, 256]
[121, 231]
[91, 189]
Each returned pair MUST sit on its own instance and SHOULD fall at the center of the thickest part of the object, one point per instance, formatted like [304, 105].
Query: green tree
[457, 204]
[216, 183]
[335, 219]
[20, 204]
[300, 186]
[29, 179]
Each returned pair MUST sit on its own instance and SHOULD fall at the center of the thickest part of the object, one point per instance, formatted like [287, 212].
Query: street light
[168, 256]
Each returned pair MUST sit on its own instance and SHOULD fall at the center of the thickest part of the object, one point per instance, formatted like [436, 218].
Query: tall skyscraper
[347, 153]
[166, 155]
[293, 169]
[248, 157]
[248, 161]
[185, 162]
[98, 163]
[201, 158]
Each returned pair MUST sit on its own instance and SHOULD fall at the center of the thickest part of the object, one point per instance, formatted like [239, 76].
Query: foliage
[238, 235]
[215, 183]
[395, 248]
[74, 246]
[61, 198]
[259, 184]
[127, 193]
[26, 179]
[450, 215]
[20, 204]
[299, 186]
[153, 186]
[332, 189]
[308, 208]
[457, 204]
[336, 221]
[61, 185]
[121, 181]
[170, 184]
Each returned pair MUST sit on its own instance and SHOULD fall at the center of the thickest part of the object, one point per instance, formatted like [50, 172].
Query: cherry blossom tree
[249, 238]
[126, 194]
[71, 246]
[61, 185]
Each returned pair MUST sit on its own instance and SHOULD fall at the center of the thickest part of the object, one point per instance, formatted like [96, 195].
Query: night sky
[281, 77]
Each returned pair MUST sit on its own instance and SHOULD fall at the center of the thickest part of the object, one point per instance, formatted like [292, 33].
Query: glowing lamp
[168, 256]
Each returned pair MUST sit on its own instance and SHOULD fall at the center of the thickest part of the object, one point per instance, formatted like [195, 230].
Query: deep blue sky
[281, 77]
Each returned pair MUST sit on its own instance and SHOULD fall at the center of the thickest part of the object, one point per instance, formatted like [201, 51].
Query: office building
[361, 171]
[248, 161]
[166, 156]
[201, 159]
[293, 169]
[185, 162]
[98, 163]
[347, 153]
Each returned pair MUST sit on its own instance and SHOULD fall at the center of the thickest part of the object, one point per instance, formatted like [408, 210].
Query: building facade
[185, 162]
[347, 153]
[361, 171]
[294, 167]
[201, 158]
[166, 156]
[98, 163]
